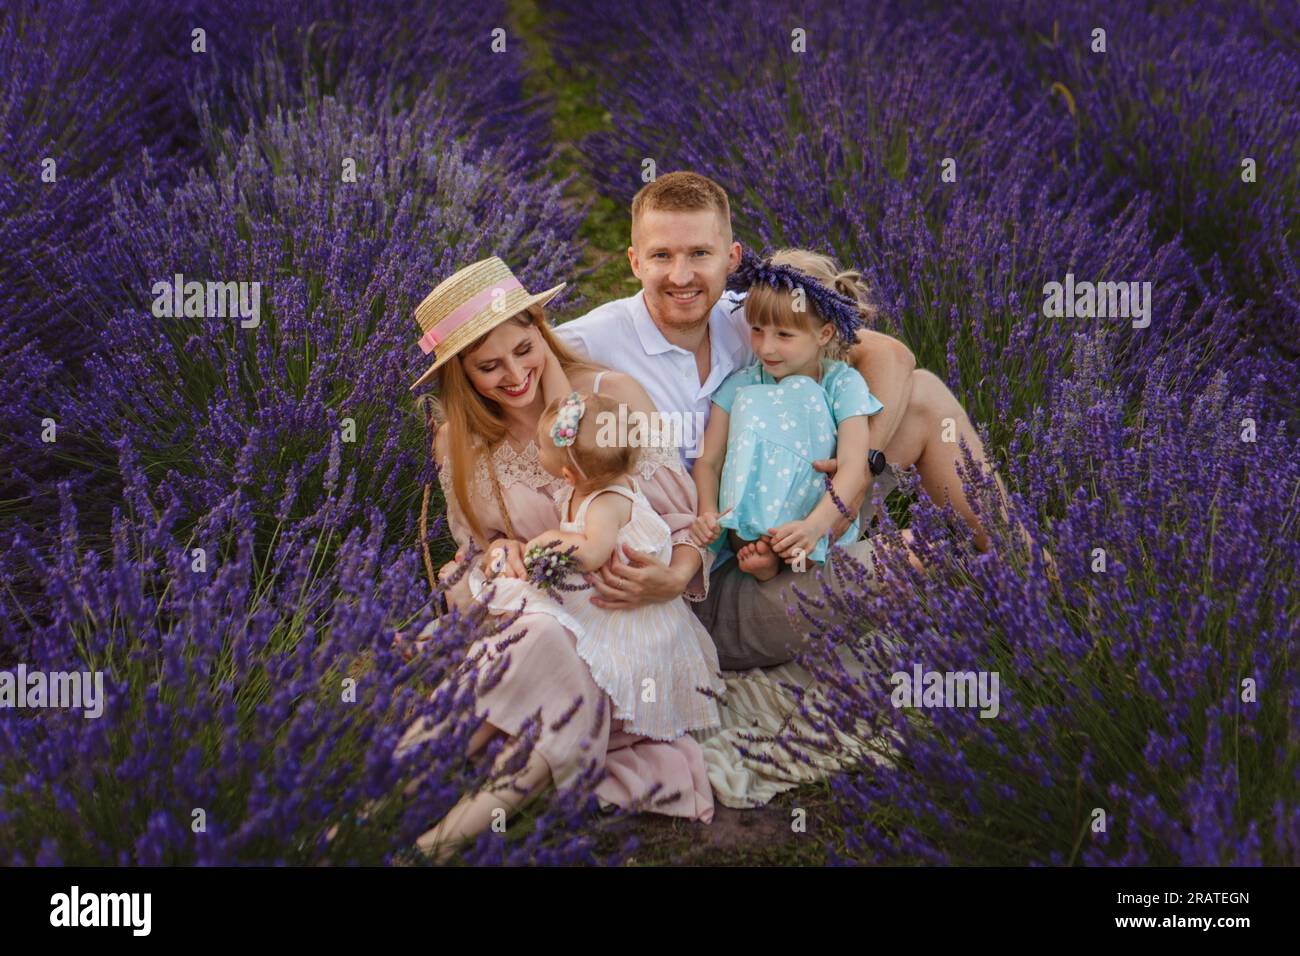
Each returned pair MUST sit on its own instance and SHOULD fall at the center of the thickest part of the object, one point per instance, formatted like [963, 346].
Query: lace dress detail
[654, 457]
[525, 468]
[515, 468]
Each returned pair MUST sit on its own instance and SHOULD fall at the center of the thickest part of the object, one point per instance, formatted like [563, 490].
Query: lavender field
[221, 514]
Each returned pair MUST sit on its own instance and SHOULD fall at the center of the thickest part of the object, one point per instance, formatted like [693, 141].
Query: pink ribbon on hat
[464, 312]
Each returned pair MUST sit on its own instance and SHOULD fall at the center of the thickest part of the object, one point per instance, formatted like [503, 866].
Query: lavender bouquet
[548, 567]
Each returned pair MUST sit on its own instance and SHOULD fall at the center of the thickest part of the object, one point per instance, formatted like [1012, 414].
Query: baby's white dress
[652, 659]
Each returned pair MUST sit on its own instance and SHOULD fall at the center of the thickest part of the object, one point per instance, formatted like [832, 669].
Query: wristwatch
[876, 461]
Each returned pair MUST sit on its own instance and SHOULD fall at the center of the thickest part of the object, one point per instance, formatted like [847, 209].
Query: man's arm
[887, 365]
[850, 484]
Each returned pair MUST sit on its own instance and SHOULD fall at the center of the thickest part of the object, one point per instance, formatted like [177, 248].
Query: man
[680, 337]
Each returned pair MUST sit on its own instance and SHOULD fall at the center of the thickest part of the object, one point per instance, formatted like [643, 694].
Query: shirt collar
[723, 335]
[652, 340]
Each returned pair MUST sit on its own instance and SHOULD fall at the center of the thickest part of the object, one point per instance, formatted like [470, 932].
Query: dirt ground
[763, 836]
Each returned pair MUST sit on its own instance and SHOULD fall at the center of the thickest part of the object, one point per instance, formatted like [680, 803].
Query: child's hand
[705, 529]
[505, 559]
[795, 536]
[447, 570]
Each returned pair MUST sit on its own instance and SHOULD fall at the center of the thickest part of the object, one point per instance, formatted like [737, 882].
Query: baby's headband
[833, 306]
[565, 430]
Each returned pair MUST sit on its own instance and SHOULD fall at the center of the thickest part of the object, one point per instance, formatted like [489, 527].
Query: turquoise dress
[777, 430]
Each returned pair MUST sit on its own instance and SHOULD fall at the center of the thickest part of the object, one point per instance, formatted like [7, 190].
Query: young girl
[797, 403]
[651, 660]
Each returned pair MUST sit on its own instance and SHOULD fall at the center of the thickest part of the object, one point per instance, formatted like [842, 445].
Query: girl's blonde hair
[601, 461]
[466, 414]
[765, 305]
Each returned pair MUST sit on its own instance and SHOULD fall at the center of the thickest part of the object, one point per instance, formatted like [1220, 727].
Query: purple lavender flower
[831, 306]
[548, 567]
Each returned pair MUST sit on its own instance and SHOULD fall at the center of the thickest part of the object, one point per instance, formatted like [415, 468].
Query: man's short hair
[681, 192]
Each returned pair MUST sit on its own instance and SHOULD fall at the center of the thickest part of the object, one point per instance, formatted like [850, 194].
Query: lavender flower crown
[832, 306]
[565, 430]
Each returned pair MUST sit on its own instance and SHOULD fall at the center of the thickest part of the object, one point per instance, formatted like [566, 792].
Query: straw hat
[468, 304]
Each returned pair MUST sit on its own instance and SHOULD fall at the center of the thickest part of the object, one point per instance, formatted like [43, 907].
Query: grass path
[576, 113]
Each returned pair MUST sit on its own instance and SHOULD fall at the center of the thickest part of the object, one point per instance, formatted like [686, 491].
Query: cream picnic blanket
[757, 705]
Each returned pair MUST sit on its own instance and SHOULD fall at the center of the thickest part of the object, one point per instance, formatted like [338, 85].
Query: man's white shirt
[621, 336]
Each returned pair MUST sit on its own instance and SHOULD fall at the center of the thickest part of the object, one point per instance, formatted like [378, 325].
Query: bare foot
[437, 848]
[758, 558]
[913, 560]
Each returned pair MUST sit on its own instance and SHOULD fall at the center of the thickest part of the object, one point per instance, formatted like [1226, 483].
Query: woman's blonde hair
[466, 414]
[601, 461]
[766, 305]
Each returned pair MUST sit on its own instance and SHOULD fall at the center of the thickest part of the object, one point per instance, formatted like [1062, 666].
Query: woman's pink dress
[545, 670]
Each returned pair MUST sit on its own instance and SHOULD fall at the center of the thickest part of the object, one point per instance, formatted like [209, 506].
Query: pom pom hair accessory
[565, 430]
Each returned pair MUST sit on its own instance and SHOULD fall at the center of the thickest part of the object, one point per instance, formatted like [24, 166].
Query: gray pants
[748, 619]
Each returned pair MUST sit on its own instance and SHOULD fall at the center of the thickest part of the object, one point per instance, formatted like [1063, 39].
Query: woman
[498, 364]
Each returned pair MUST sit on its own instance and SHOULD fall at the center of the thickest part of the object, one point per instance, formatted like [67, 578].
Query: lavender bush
[863, 122]
[70, 121]
[1138, 605]
[1175, 104]
[434, 141]
[252, 700]
[277, 51]
[1150, 675]
[340, 266]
